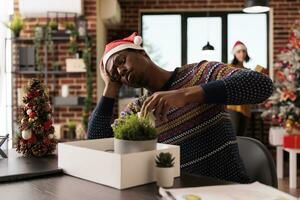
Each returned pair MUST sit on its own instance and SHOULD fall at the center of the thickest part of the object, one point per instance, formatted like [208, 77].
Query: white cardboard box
[93, 160]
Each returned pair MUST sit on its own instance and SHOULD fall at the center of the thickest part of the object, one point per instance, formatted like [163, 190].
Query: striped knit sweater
[208, 144]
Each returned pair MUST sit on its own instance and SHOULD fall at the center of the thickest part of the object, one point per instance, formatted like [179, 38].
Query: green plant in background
[56, 65]
[73, 46]
[72, 125]
[87, 58]
[73, 32]
[71, 28]
[15, 25]
[131, 127]
[53, 25]
[71, 129]
[164, 160]
[50, 46]
[38, 36]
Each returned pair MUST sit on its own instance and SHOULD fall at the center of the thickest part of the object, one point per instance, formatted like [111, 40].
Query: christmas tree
[283, 107]
[36, 137]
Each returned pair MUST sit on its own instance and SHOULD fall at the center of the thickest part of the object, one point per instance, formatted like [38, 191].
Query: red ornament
[29, 105]
[22, 141]
[30, 94]
[47, 124]
[32, 114]
[36, 94]
[32, 140]
[46, 141]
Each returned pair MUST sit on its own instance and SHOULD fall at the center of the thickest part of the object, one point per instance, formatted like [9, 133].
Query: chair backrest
[258, 161]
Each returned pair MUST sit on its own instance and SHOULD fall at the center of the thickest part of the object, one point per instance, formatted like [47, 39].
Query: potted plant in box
[134, 134]
[165, 169]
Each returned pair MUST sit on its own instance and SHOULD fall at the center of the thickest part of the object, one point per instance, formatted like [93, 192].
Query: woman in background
[239, 114]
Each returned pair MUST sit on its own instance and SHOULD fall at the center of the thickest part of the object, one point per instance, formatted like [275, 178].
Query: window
[201, 30]
[176, 38]
[162, 39]
[251, 30]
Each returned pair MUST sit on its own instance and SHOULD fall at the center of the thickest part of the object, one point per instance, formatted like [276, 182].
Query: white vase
[165, 176]
[64, 90]
[131, 146]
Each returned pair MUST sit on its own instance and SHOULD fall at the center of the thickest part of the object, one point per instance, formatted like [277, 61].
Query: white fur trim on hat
[239, 47]
[120, 48]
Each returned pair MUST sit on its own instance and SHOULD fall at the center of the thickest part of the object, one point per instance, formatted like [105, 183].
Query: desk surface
[64, 187]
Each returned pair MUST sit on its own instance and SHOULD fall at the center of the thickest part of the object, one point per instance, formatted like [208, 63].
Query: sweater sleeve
[99, 125]
[100, 120]
[234, 86]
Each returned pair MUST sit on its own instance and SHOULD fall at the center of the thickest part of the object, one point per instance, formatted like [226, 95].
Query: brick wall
[76, 82]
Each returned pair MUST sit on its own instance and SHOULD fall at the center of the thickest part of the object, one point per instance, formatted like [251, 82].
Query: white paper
[253, 191]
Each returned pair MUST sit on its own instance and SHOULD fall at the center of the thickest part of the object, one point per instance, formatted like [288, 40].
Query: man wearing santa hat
[188, 104]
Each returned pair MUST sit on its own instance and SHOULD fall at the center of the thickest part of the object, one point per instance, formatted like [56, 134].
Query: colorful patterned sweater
[208, 145]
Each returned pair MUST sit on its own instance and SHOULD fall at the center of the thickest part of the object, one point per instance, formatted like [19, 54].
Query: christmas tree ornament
[32, 115]
[23, 120]
[51, 136]
[29, 105]
[47, 124]
[29, 111]
[46, 141]
[32, 139]
[26, 134]
[39, 139]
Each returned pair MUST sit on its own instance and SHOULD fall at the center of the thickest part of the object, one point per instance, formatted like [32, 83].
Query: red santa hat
[238, 46]
[132, 42]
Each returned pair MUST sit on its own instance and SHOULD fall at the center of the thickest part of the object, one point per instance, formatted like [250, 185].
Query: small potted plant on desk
[165, 169]
[134, 134]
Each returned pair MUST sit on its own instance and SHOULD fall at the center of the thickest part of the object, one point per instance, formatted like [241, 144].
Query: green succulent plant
[72, 125]
[131, 127]
[53, 25]
[164, 160]
[15, 25]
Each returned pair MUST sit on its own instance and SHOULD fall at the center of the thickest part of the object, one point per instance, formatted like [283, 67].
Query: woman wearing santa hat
[239, 114]
[187, 104]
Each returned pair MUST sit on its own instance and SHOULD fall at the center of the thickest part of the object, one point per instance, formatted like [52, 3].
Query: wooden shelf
[53, 38]
[48, 72]
[69, 101]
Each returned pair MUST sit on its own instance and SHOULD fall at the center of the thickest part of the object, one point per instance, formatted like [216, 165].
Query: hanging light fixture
[207, 47]
[256, 6]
